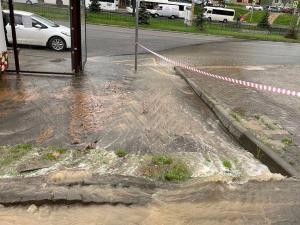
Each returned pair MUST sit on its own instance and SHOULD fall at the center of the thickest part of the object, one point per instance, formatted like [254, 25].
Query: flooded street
[152, 112]
[111, 107]
[118, 147]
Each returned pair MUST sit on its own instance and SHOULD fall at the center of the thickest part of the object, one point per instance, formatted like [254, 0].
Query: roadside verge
[245, 138]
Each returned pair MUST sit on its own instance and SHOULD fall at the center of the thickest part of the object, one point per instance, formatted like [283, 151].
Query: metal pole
[136, 33]
[76, 36]
[251, 13]
[14, 36]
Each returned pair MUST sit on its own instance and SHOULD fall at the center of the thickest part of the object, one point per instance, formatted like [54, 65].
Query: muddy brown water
[259, 203]
[153, 111]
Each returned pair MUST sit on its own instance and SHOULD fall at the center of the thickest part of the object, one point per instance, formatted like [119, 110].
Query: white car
[28, 2]
[255, 7]
[32, 29]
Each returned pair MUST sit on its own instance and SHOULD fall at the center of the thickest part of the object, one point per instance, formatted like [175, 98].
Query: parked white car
[255, 7]
[32, 29]
[28, 2]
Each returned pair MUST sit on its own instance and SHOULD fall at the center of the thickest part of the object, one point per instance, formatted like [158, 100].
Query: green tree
[199, 21]
[143, 14]
[264, 23]
[94, 6]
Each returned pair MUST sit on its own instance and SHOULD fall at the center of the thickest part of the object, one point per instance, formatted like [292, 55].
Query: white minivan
[219, 14]
[171, 11]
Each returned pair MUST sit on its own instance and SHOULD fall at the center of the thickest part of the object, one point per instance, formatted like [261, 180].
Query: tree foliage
[94, 6]
[143, 14]
[199, 21]
[264, 23]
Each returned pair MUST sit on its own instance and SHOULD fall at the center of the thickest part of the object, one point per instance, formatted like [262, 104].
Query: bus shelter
[44, 38]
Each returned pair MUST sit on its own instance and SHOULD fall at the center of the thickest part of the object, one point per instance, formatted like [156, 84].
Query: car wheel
[57, 44]
[225, 21]
[172, 17]
[156, 15]
[209, 19]
[28, 2]
[59, 2]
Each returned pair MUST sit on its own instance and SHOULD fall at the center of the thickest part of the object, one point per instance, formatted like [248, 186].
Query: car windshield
[45, 21]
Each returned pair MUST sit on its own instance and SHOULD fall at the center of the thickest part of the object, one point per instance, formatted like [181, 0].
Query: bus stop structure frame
[76, 42]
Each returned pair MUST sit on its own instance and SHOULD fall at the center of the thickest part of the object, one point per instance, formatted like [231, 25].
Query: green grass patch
[120, 152]
[10, 154]
[284, 19]
[256, 17]
[50, 12]
[50, 156]
[287, 141]
[53, 153]
[177, 172]
[166, 168]
[160, 160]
[227, 164]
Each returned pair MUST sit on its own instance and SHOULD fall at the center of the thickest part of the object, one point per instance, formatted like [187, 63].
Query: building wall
[3, 48]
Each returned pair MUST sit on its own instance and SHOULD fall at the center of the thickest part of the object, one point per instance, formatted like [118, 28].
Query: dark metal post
[76, 36]
[14, 36]
[136, 33]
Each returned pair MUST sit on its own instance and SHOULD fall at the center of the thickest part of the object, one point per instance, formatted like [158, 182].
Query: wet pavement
[273, 118]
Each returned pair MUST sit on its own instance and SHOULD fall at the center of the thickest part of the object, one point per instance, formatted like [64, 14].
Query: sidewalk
[272, 118]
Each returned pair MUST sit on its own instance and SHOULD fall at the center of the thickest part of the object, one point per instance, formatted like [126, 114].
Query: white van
[109, 5]
[219, 14]
[171, 11]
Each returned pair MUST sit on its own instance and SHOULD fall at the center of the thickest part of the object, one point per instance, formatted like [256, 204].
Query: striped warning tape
[257, 86]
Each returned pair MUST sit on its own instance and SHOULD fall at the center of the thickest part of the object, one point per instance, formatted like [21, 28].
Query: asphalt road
[113, 41]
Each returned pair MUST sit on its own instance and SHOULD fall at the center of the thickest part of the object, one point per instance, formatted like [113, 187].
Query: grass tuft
[227, 164]
[160, 160]
[164, 167]
[178, 172]
[120, 152]
[287, 141]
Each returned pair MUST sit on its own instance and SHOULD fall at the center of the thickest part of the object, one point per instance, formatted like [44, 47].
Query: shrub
[143, 15]
[264, 23]
[94, 6]
[199, 21]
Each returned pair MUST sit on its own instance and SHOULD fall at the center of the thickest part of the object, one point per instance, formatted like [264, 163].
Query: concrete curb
[245, 138]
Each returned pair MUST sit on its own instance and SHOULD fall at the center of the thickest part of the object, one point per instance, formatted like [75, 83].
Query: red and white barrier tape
[257, 86]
